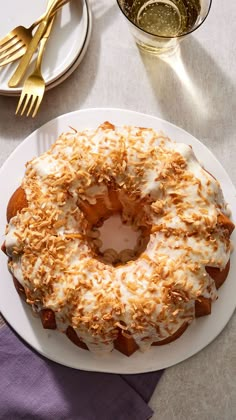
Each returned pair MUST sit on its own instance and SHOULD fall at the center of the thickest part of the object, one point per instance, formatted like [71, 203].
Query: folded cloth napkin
[33, 387]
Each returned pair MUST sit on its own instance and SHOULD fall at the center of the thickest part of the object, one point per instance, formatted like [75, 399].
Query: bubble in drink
[167, 18]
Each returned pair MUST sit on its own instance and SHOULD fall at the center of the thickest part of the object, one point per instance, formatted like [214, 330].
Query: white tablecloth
[198, 93]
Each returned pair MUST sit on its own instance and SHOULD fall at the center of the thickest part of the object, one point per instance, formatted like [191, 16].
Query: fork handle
[60, 4]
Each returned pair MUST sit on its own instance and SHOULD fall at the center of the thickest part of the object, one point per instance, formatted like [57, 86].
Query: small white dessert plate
[66, 42]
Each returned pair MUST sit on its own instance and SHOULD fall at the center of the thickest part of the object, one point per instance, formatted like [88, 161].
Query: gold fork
[15, 43]
[34, 86]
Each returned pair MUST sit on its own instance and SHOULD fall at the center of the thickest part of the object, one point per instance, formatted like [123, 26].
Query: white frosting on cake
[161, 185]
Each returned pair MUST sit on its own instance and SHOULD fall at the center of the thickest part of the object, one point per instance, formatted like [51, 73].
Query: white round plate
[55, 345]
[64, 46]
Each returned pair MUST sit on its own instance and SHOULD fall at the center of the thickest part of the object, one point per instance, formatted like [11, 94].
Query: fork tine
[9, 43]
[7, 50]
[20, 102]
[24, 98]
[5, 39]
[13, 56]
[15, 48]
[27, 100]
[34, 99]
[38, 103]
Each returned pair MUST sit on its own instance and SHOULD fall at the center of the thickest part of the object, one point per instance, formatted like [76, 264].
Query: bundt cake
[107, 299]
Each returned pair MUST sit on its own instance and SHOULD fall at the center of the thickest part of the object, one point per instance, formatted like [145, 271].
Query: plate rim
[121, 112]
[81, 54]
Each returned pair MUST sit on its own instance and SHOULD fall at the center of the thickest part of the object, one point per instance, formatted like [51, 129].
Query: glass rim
[163, 36]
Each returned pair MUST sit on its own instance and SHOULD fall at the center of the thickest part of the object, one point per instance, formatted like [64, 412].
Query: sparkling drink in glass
[158, 25]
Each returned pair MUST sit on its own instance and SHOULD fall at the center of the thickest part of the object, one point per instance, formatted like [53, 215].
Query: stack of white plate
[66, 46]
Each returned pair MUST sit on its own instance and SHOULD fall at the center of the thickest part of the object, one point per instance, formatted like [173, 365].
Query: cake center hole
[117, 242]
[117, 235]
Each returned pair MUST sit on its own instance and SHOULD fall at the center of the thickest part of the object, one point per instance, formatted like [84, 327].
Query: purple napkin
[33, 387]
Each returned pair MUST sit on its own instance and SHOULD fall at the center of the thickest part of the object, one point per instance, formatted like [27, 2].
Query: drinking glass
[159, 25]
